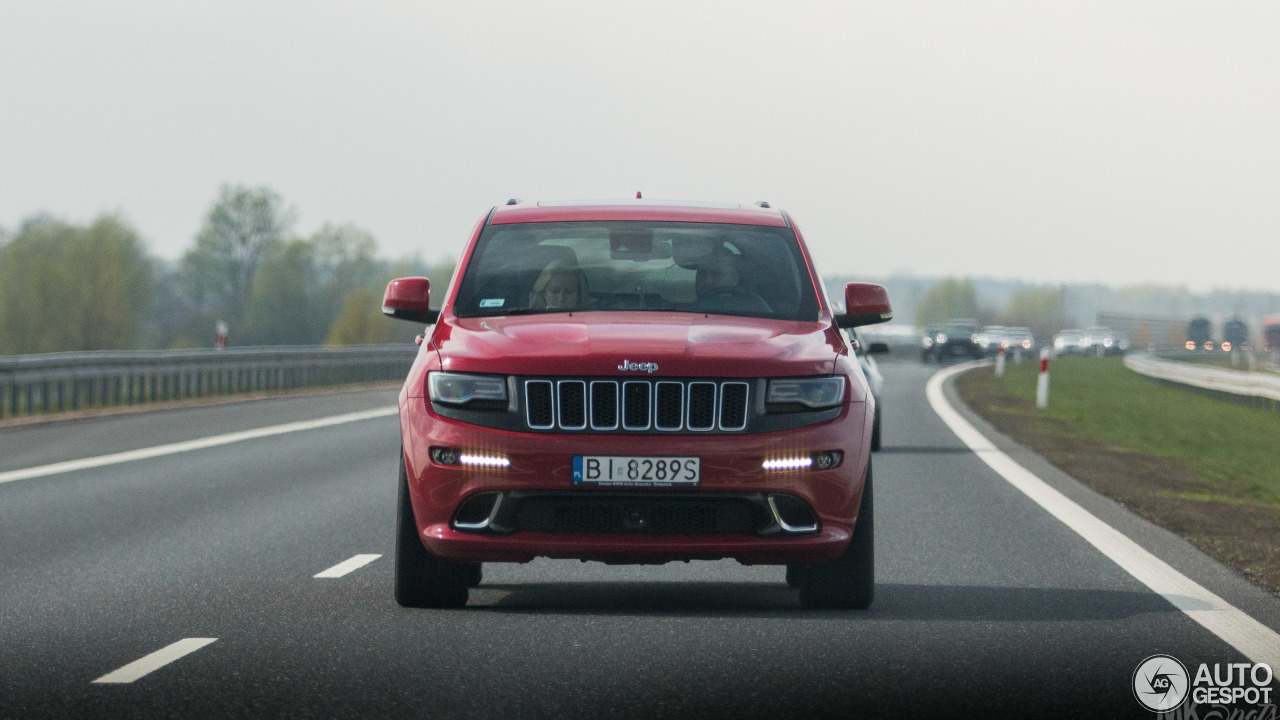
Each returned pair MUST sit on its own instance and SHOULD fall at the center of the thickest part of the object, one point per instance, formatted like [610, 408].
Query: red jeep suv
[635, 382]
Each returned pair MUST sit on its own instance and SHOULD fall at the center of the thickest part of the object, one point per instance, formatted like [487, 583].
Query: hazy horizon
[1116, 143]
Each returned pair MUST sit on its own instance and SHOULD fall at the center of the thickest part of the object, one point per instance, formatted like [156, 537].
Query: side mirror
[409, 299]
[878, 348]
[864, 304]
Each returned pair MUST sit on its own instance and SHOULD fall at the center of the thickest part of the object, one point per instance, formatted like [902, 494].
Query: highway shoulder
[1174, 550]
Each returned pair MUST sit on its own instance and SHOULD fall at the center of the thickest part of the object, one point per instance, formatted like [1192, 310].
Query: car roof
[637, 209]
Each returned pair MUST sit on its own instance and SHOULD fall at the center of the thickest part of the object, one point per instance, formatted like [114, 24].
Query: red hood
[597, 343]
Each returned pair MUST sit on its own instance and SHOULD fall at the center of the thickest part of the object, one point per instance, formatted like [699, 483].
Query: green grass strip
[1237, 448]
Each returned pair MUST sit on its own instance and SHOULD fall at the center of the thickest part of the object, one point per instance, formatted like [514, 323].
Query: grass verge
[1205, 469]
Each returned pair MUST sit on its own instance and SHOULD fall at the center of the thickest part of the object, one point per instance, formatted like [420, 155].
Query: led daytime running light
[483, 460]
[787, 463]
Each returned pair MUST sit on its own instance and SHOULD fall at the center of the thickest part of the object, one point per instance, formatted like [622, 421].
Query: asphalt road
[986, 605]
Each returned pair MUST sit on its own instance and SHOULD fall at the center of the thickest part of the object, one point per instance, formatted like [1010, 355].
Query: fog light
[827, 460]
[444, 455]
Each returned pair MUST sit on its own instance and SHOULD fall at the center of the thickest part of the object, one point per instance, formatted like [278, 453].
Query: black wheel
[422, 579]
[849, 581]
[794, 573]
[875, 430]
[475, 574]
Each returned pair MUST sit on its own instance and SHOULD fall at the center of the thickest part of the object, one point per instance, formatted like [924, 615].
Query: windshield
[642, 266]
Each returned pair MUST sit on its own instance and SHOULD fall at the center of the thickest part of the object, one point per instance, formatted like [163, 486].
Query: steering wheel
[733, 297]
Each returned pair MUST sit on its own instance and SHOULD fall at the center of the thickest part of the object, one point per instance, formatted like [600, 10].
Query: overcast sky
[1114, 141]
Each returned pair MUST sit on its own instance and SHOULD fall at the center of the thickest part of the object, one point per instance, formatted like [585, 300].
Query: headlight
[927, 342]
[810, 392]
[942, 338]
[460, 388]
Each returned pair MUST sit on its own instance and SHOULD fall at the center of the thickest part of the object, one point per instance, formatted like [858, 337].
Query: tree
[346, 259]
[951, 298]
[361, 322]
[68, 288]
[218, 273]
[281, 309]
[1041, 310]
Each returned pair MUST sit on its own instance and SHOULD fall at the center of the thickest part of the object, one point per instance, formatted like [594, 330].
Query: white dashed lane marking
[347, 566]
[154, 661]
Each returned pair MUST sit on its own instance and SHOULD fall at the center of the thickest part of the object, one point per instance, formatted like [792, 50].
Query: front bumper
[541, 467]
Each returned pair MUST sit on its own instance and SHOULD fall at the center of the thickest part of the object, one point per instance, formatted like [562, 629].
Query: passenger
[560, 286]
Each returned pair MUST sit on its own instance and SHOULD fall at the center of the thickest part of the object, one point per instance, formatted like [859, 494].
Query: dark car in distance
[956, 339]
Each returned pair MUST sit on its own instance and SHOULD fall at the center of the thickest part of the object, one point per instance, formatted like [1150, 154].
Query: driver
[560, 286]
[719, 270]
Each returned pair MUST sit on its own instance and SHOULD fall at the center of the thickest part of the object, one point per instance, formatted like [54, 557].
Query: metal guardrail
[55, 382]
[1258, 389]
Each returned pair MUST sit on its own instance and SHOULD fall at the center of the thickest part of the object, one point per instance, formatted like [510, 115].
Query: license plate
[636, 471]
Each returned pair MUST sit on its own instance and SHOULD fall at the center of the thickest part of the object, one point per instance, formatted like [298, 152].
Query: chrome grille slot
[670, 406]
[604, 405]
[538, 401]
[636, 401]
[573, 404]
[702, 406]
[733, 406]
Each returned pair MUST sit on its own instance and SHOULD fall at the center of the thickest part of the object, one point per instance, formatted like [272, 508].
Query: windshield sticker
[492, 302]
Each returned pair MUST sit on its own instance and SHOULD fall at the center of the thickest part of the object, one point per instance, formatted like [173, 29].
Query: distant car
[1271, 333]
[957, 339]
[991, 338]
[1198, 334]
[1103, 341]
[866, 358]
[927, 342]
[1235, 334]
[1019, 338]
[1069, 342]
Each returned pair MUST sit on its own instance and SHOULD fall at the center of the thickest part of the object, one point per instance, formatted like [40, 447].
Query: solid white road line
[189, 445]
[347, 566]
[154, 661]
[1256, 641]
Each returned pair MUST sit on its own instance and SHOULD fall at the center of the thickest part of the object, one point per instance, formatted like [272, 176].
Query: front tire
[422, 579]
[849, 581]
[875, 430]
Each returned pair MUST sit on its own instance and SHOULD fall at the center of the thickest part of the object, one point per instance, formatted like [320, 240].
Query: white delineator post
[1042, 385]
[1000, 361]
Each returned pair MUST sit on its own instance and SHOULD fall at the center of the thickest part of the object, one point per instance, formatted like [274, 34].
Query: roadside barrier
[1256, 389]
[55, 382]
[1042, 382]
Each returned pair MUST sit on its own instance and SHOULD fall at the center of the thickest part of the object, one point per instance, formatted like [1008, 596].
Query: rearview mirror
[864, 304]
[409, 299]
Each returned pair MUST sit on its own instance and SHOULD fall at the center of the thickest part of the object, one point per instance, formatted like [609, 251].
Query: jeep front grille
[637, 405]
